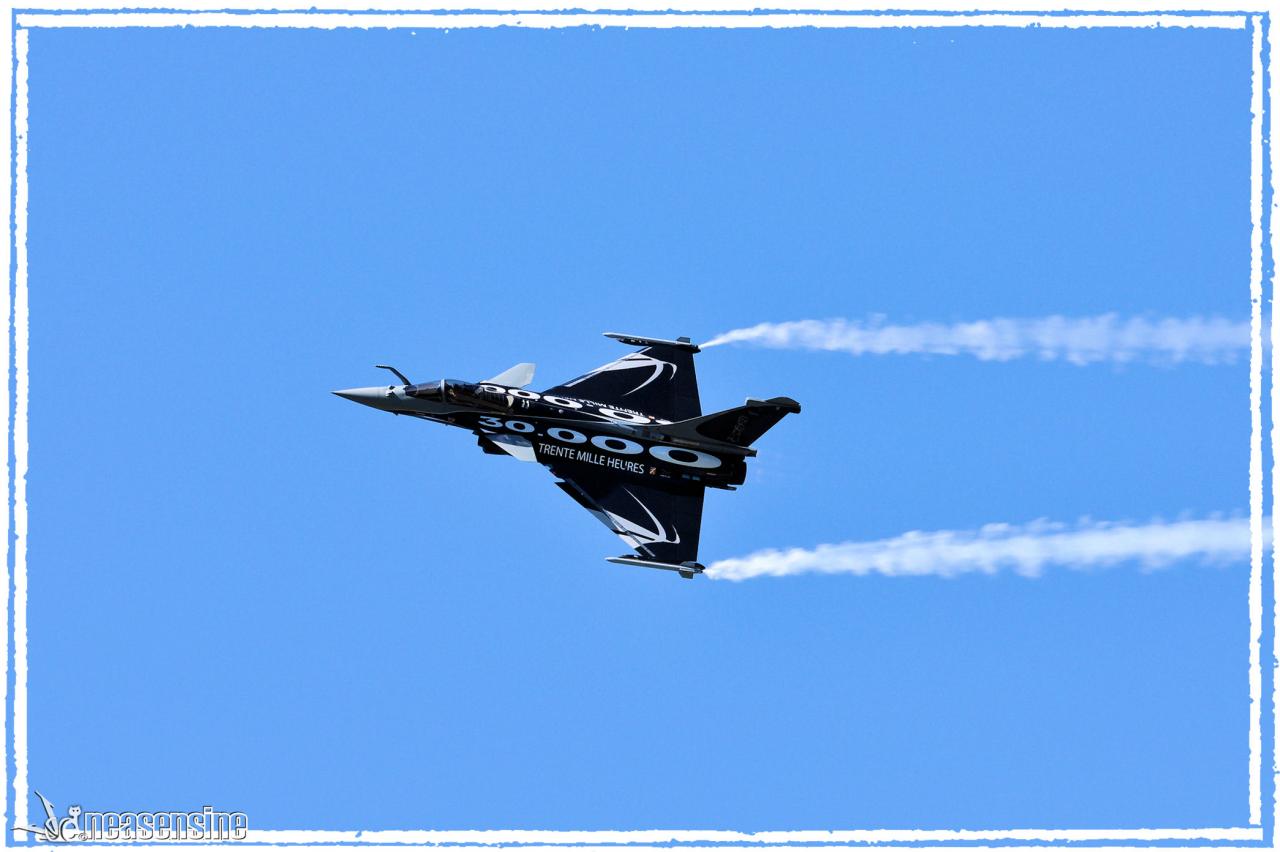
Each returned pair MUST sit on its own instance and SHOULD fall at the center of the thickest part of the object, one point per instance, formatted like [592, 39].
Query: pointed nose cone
[375, 397]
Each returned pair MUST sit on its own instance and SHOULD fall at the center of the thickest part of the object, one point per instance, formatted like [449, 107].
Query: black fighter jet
[627, 441]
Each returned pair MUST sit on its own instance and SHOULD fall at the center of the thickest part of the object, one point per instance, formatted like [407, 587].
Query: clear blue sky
[248, 593]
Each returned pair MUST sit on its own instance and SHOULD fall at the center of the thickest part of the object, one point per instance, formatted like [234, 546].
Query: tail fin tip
[742, 426]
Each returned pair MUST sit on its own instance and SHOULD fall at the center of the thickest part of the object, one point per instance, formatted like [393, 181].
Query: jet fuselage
[568, 432]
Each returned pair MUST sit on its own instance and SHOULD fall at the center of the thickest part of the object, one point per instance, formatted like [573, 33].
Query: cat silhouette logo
[55, 830]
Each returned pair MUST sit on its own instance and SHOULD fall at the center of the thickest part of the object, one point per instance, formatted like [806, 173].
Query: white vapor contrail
[1080, 340]
[1025, 549]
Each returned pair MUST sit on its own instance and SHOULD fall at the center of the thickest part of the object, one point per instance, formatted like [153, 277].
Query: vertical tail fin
[742, 426]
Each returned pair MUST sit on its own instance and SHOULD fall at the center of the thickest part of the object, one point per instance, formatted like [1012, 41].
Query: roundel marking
[567, 435]
[524, 394]
[624, 416]
[562, 402]
[614, 444]
[688, 458]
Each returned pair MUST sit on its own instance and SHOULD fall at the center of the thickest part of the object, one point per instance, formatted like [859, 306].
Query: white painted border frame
[661, 17]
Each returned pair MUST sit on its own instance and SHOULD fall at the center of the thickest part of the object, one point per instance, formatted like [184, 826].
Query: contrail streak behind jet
[1025, 549]
[1081, 340]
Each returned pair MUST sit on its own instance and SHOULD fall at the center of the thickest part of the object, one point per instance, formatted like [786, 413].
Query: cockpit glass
[433, 391]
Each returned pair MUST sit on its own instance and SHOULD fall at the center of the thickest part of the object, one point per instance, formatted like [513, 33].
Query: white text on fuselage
[573, 454]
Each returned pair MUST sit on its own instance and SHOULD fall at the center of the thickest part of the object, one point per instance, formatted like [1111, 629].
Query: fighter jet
[627, 441]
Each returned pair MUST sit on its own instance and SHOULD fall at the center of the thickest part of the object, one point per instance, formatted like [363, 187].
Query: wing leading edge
[658, 380]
